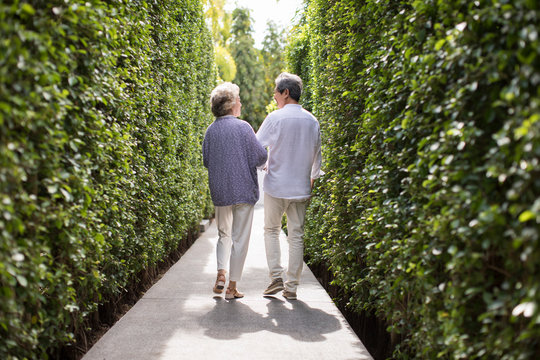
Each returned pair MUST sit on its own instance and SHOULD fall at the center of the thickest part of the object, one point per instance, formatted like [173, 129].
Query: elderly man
[231, 153]
[292, 137]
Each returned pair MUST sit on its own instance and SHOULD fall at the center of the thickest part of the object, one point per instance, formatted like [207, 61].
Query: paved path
[180, 317]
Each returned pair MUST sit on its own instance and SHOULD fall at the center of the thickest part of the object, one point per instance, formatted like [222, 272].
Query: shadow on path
[179, 317]
[230, 319]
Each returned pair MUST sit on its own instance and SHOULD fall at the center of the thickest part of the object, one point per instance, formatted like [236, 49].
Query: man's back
[293, 137]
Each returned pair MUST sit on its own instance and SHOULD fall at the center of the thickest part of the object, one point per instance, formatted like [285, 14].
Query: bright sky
[281, 12]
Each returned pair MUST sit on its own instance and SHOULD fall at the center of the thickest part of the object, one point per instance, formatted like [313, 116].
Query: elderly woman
[231, 153]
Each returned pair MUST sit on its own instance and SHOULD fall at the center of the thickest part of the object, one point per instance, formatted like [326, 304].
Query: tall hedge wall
[429, 212]
[103, 105]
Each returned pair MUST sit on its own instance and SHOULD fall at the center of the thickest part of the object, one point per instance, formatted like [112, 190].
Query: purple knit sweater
[232, 153]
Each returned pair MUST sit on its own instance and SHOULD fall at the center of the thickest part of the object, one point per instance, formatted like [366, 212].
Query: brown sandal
[233, 294]
[220, 283]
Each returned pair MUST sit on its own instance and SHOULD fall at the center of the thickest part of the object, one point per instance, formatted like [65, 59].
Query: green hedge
[103, 105]
[429, 212]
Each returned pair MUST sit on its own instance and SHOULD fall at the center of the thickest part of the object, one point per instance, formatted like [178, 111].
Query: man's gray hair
[289, 81]
[223, 98]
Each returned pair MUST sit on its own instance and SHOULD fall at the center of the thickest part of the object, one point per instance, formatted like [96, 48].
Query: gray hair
[291, 82]
[223, 98]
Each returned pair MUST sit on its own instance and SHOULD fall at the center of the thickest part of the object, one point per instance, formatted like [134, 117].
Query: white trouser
[274, 208]
[234, 229]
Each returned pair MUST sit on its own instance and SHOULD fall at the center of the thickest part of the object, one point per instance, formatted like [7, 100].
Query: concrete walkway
[181, 318]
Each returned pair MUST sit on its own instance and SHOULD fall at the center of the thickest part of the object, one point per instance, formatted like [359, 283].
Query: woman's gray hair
[289, 81]
[223, 98]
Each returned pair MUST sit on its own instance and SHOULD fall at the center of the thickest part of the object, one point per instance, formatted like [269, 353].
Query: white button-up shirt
[293, 139]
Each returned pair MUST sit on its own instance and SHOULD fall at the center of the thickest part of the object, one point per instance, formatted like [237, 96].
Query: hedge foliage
[103, 105]
[429, 211]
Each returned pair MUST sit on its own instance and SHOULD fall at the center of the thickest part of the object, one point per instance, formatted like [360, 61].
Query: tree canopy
[250, 71]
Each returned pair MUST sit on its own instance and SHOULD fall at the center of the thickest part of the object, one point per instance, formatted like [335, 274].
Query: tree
[272, 57]
[219, 22]
[250, 71]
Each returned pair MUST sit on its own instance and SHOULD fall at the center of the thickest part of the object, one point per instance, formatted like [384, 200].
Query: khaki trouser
[234, 229]
[274, 208]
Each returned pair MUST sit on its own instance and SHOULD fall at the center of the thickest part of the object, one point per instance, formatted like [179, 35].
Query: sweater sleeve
[205, 150]
[261, 153]
[257, 154]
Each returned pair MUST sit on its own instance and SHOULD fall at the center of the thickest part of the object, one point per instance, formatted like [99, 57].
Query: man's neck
[290, 101]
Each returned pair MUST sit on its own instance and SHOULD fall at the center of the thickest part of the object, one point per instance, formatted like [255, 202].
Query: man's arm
[317, 161]
[264, 135]
[265, 138]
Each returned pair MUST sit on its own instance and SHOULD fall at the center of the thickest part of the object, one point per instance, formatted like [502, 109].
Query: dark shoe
[220, 284]
[289, 295]
[275, 287]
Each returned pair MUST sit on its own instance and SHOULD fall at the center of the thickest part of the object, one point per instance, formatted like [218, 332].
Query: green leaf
[22, 280]
[439, 44]
[526, 216]
[28, 9]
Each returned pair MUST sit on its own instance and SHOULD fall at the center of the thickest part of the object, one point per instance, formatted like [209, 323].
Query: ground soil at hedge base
[370, 329]
[112, 310]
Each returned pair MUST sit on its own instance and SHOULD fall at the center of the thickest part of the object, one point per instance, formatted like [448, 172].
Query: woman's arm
[205, 150]
[258, 154]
